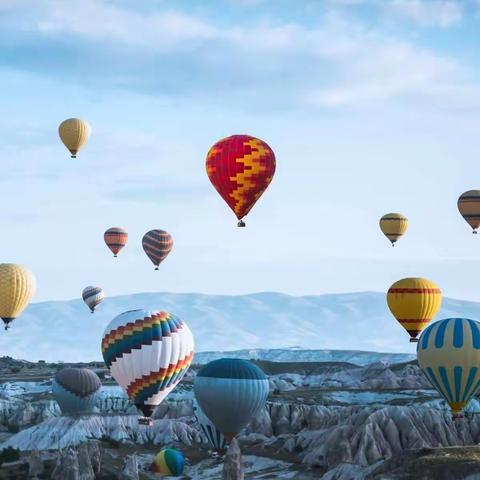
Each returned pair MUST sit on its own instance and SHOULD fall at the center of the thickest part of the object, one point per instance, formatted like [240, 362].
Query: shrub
[9, 454]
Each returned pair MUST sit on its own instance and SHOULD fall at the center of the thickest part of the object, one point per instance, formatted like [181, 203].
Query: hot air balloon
[240, 168]
[231, 392]
[115, 238]
[76, 390]
[168, 462]
[469, 207]
[448, 352]
[74, 134]
[414, 302]
[393, 226]
[157, 245]
[17, 287]
[148, 353]
[214, 436]
[93, 296]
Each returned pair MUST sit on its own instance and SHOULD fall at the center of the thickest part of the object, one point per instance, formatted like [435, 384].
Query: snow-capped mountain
[65, 330]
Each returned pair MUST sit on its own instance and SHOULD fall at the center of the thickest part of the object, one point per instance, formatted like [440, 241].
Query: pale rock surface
[130, 469]
[233, 463]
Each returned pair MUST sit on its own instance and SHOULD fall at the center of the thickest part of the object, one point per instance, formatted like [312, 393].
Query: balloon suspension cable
[241, 223]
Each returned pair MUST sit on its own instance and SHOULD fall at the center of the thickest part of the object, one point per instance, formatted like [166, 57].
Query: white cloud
[442, 13]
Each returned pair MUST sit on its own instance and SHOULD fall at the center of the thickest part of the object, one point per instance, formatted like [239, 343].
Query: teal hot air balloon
[76, 390]
[214, 436]
[231, 392]
[448, 352]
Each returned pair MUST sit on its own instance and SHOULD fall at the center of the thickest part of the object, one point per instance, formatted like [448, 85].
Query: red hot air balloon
[240, 168]
[157, 245]
[115, 238]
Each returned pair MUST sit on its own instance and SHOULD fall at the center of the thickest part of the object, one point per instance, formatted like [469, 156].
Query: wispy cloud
[442, 13]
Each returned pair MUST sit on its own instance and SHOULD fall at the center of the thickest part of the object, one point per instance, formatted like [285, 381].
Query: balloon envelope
[17, 287]
[231, 392]
[168, 462]
[414, 302]
[157, 244]
[393, 226]
[74, 133]
[148, 353]
[469, 207]
[115, 238]
[92, 296]
[448, 352]
[76, 390]
[214, 436]
[240, 168]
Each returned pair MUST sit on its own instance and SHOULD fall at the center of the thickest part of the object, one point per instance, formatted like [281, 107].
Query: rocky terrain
[331, 420]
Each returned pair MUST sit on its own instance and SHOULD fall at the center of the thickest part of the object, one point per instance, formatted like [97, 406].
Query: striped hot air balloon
[115, 238]
[214, 436]
[157, 245]
[240, 168]
[414, 302]
[93, 296]
[76, 390]
[393, 226]
[148, 353]
[74, 134]
[231, 392]
[168, 462]
[17, 287]
[448, 352]
[469, 207]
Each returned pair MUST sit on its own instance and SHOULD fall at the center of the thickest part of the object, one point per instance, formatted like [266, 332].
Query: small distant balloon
[240, 168]
[17, 287]
[169, 462]
[157, 244]
[93, 296]
[469, 207]
[74, 133]
[394, 226]
[116, 238]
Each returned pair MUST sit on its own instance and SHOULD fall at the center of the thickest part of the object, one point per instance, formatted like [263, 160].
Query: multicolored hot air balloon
[168, 462]
[469, 207]
[414, 302]
[231, 392]
[74, 134]
[115, 238]
[76, 390]
[240, 168]
[393, 226]
[148, 353]
[448, 352]
[214, 436]
[93, 296]
[157, 245]
[17, 287]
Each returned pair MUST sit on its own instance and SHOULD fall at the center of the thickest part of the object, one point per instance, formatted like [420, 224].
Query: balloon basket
[145, 421]
[414, 340]
[474, 232]
[241, 223]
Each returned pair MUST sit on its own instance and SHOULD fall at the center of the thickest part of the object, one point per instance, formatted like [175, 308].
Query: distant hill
[272, 322]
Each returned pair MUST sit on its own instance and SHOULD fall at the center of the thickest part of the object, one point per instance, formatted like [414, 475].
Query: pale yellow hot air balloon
[393, 226]
[17, 287]
[74, 134]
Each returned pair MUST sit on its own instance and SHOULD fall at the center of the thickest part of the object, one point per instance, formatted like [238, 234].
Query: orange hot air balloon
[115, 238]
[240, 168]
[469, 208]
[414, 302]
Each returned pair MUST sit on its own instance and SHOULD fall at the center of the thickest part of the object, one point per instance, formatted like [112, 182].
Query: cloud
[426, 13]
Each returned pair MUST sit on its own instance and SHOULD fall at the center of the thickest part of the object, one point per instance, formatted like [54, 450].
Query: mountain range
[66, 331]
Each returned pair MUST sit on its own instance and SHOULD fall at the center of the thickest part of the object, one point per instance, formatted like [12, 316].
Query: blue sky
[371, 106]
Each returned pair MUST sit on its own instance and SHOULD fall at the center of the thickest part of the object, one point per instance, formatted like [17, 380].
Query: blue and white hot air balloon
[76, 390]
[448, 352]
[214, 436]
[231, 392]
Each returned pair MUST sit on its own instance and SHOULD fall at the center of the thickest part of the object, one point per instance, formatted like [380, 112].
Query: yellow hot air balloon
[74, 134]
[414, 302]
[17, 287]
[393, 226]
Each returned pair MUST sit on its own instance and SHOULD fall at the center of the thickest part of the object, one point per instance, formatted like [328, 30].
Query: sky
[371, 106]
